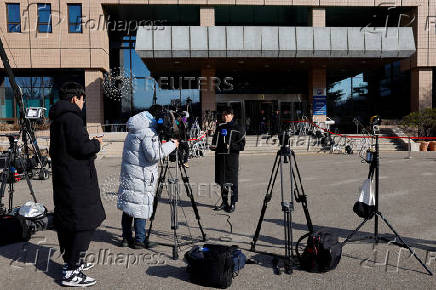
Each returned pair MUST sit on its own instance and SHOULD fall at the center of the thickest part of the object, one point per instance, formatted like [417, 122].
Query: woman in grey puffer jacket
[139, 175]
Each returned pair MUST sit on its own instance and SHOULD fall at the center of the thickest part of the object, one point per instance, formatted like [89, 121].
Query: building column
[317, 87]
[421, 89]
[318, 17]
[94, 100]
[207, 16]
[207, 90]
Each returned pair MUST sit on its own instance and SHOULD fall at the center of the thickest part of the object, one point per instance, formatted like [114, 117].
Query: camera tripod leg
[348, 238]
[288, 239]
[160, 186]
[32, 193]
[267, 199]
[404, 243]
[4, 180]
[189, 193]
[173, 195]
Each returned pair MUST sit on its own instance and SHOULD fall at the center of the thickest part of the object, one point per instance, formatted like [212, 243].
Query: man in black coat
[78, 209]
[228, 140]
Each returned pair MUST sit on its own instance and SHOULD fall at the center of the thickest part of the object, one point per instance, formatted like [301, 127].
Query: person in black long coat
[78, 209]
[228, 140]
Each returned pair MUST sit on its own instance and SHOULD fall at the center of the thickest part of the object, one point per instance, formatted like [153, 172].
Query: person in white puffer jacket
[139, 174]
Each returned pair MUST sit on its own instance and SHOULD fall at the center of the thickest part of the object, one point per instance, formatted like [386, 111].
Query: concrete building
[355, 57]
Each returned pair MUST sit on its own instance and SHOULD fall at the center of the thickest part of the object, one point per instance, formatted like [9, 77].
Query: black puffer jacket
[76, 192]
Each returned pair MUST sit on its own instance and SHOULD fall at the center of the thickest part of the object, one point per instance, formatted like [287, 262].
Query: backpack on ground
[214, 265]
[37, 216]
[322, 253]
[14, 229]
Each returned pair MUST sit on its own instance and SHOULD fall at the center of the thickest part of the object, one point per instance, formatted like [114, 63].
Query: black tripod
[12, 160]
[173, 193]
[285, 155]
[374, 166]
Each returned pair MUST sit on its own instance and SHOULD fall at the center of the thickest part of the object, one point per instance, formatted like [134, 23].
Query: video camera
[167, 127]
[171, 124]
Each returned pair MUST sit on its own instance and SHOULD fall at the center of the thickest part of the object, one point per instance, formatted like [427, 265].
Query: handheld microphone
[224, 133]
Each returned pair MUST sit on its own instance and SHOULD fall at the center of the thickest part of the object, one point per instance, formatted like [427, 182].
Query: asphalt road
[407, 200]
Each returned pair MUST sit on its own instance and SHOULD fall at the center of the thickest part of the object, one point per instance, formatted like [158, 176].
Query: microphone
[224, 133]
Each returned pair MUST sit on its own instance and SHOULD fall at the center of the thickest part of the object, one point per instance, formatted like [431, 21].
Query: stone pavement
[407, 199]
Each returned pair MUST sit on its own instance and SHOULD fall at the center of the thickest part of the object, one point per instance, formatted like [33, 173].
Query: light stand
[375, 162]
[174, 196]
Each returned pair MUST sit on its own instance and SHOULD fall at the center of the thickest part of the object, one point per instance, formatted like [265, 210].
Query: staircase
[114, 142]
[266, 144]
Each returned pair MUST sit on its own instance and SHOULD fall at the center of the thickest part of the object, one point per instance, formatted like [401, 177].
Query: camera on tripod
[171, 125]
[284, 138]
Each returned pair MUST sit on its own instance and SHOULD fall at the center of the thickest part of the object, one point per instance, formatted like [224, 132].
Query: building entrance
[257, 112]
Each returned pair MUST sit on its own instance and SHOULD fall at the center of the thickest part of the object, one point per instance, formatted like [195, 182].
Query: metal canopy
[270, 41]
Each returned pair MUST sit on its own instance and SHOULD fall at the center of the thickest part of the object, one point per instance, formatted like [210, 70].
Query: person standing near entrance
[78, 209]
[275, 123]
[227, 142]
[263, 122]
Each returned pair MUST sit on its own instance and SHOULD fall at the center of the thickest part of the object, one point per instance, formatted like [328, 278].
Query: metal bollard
[410, 150]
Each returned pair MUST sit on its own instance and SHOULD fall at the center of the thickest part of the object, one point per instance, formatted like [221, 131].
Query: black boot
[231, 208]
[224, 206]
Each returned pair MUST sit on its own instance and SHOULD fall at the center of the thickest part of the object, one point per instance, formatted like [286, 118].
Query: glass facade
[44, 18]
[434, 88]
[39, 90]
[14, 19]
[74, 18]
[142, 88]
[384, 92]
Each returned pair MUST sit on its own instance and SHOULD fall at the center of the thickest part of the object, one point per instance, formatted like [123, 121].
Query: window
[13, 14]
[74, 18]
[44, 18]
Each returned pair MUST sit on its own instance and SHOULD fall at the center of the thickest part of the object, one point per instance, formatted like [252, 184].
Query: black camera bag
[322, 253]
[14, 229]
[212, 267]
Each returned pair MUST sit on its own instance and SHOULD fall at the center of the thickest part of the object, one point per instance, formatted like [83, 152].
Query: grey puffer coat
[139, 168]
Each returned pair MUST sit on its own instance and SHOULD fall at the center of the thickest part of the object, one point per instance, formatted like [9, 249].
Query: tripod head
[285, 148]
[13, 138]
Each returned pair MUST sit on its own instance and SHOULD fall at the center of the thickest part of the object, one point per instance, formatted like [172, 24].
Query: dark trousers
[73, 246]
[234, 193]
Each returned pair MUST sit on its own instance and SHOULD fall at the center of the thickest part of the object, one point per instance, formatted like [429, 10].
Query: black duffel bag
[13, 229]
[322, 253]
[211, 265]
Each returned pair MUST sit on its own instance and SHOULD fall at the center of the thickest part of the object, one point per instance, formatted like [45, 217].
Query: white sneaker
[82, 267]
[76, 278]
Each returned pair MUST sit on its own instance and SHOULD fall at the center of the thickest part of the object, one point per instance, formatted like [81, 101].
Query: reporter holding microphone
[227, 142]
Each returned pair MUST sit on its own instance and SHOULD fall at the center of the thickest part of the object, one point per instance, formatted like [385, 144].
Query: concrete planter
[432, 146]
[423, 146]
